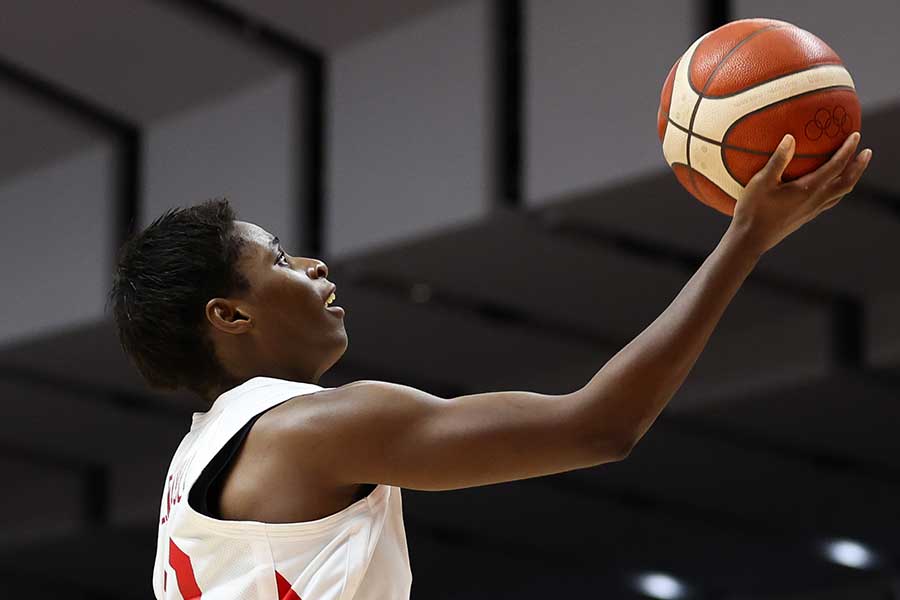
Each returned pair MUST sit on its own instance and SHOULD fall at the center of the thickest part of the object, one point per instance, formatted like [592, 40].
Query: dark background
[485, 181]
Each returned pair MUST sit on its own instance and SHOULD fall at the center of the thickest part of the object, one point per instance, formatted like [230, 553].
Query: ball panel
[683, 175]
[683, 97]
[786, 50]
[716, 115]
[744, 165]
[802, 165]
[665, 101]
[706, 158]
[682, 103]
[819, 121]
[717, 44]
[712, 195]
[703, 189]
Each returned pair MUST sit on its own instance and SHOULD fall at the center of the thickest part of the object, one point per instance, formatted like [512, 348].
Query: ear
[227, 317]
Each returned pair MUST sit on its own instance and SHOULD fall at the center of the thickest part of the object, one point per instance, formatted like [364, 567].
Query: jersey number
[184, 573]
[187, 582]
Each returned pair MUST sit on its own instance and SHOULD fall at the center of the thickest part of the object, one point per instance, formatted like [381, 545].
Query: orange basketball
[733, 95]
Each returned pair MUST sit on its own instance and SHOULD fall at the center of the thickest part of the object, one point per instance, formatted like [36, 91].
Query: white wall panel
[242, 147]
[410, 129]
[593, 80]
[56, 244]
[35, 133]
[863, 33]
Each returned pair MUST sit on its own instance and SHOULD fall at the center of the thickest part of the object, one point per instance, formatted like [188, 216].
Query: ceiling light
[850, 553]
[660, 585]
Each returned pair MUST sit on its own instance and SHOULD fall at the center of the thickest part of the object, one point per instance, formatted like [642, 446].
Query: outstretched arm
[375, 432]
[635, 386]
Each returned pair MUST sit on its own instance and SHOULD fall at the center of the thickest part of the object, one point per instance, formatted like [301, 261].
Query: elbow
[614, 448]
[624, 448]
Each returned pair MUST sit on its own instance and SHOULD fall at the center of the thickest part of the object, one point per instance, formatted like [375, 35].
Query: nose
[317, 270]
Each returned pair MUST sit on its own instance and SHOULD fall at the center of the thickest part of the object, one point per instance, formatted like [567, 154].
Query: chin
[339, 352]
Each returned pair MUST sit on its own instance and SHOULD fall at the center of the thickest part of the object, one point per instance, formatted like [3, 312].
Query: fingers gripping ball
[733, 95]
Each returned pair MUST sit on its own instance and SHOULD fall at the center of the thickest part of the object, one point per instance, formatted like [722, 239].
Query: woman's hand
[770, 209]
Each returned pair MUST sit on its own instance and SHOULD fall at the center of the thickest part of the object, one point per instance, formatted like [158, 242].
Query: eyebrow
[274, 245]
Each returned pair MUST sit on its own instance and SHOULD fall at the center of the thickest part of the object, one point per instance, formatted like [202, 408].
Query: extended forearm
[629, 392]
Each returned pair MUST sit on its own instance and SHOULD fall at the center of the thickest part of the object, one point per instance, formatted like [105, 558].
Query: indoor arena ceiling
[112, 68]
[734, 480]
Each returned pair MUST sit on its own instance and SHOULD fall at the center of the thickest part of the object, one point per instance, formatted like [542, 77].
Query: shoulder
[363, 402]
[308, 411]
[325, 429]
[314, 419]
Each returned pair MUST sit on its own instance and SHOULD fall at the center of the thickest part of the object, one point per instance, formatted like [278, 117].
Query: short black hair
[164, 277]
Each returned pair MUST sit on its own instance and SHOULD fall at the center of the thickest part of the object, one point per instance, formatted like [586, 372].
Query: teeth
[330, 299]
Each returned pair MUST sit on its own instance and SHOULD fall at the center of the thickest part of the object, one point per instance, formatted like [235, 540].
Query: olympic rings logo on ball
[829, 122]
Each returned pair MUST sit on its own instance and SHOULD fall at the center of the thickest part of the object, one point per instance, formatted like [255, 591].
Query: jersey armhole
[206, 493]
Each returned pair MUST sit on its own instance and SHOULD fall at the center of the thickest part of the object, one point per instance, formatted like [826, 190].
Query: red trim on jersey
[184, 573]
[285, 591]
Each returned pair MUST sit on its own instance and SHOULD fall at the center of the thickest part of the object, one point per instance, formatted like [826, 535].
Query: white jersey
[358, 553]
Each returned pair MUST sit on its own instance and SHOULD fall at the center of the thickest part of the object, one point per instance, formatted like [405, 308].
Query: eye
[282, 259]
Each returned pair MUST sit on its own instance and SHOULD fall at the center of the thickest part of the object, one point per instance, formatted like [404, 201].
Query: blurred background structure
[485, 181]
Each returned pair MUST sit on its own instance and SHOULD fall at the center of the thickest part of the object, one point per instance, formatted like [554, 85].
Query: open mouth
[329, 300]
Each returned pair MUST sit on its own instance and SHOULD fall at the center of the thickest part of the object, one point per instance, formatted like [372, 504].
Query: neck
[218, 388]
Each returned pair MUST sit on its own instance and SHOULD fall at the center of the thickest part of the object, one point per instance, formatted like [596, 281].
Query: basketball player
[283, 489]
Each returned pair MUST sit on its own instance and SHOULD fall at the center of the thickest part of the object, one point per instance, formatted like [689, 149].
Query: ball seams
[706, 87]
[741, 148]
[749, 36]
[771, 79]
[724, 110]
[782, 101]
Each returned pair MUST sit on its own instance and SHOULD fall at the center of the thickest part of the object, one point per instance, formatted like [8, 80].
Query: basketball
[732, 96]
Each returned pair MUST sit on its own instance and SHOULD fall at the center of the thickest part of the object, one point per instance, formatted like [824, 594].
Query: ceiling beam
[715, 13]
[509, 74]
[310, 67]
[125, 133]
